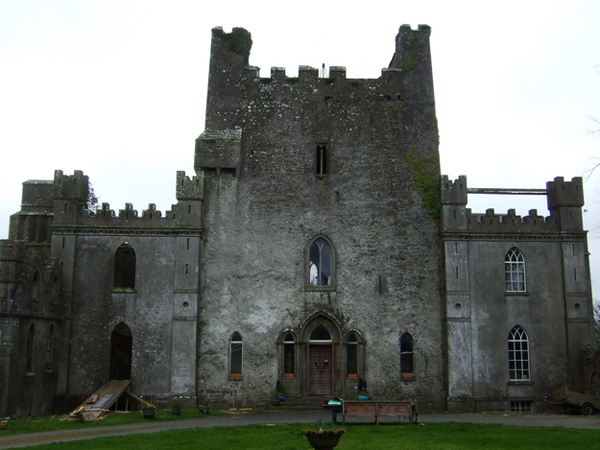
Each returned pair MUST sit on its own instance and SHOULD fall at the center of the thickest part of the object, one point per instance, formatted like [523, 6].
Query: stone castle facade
[316, 244]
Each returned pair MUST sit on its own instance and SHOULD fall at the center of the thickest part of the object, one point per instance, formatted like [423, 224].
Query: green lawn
[447, 436]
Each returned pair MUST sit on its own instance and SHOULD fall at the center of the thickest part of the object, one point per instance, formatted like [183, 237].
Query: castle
[316, 244]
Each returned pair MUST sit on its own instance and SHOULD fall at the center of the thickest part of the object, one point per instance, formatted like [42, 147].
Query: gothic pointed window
[289, 356]
[124, 268]
[320, 334]
[406, 354]
[514, 271]
[518, 354]
[235, 355]
[352, 356]
[320, 265]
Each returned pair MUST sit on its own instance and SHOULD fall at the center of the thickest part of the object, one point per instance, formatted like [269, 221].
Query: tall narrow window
[235, 355]
[518, 354]
[124, 267]
[514, 271]
[29, 350]
[36, 288]
[289, 356]
[406, 354]
[321, 159]
[50, 348]
[320, 263]
[352, 365]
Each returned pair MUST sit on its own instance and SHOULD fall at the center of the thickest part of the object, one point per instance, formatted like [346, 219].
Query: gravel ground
[534, 420]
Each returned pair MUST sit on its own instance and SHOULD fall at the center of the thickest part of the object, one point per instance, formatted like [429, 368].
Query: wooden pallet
[100, 401]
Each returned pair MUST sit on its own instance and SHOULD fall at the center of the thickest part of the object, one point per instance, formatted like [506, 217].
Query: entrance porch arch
[321, 338]
[121, 341]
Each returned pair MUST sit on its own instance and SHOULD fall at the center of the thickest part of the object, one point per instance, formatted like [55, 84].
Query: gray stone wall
[260, 219]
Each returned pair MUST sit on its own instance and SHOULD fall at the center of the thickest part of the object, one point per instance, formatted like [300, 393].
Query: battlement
[71, 187]
[511, 222]
[565, 193]
[560, 194]
[129, 217]
[233, 83]
[189, 192]
[454, 192]
[189, 189]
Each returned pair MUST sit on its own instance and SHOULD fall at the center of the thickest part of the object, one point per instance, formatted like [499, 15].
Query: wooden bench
[377, 409]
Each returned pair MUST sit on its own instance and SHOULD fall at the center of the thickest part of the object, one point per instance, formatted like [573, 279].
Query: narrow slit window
[321, 159]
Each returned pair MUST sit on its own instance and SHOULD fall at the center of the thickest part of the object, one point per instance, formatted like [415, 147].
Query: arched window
[289, 356]
[406, 354]
[124, 267]
[514, 271]
[50, 348]
[235, 355]
[518, 354]
[29, 355]
[320, 334]
[352, 356]
[320, 265]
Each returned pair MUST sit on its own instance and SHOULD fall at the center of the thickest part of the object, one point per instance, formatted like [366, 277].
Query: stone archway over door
[320, 369]
[120, 353]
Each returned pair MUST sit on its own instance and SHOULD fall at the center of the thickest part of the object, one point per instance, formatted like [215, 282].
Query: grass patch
[51, 423]
[447, 436]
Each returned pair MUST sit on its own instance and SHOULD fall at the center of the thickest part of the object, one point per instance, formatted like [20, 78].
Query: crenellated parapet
[565, 200]
[190, 189]
[71, 187]
[71, 207]
[565, 193]
[234, 84]
[511, 222]
[454, 192]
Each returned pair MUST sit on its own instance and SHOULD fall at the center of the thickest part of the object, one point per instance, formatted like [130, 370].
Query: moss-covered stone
[426, 179]
[239, 41]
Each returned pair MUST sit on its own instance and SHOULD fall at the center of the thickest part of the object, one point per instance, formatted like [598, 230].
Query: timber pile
[100, 402]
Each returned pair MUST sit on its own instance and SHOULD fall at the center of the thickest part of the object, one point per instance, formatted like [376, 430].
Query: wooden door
[320, 372]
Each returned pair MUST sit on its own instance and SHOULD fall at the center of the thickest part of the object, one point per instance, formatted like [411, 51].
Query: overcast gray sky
[118, 88]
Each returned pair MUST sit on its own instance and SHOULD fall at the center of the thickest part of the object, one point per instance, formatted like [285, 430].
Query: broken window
[514, 271]
[321, 162]
[352, 347]
[289, 356]
[124, 267]
[235, 355]
[406, 354]
[320, 263]
[518, 354]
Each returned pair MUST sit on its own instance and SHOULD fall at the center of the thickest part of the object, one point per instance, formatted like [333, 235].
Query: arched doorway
[320, 362]
[120, 353]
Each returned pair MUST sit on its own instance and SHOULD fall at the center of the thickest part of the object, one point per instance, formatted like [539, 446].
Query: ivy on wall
[239, 41]
[426, 179]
